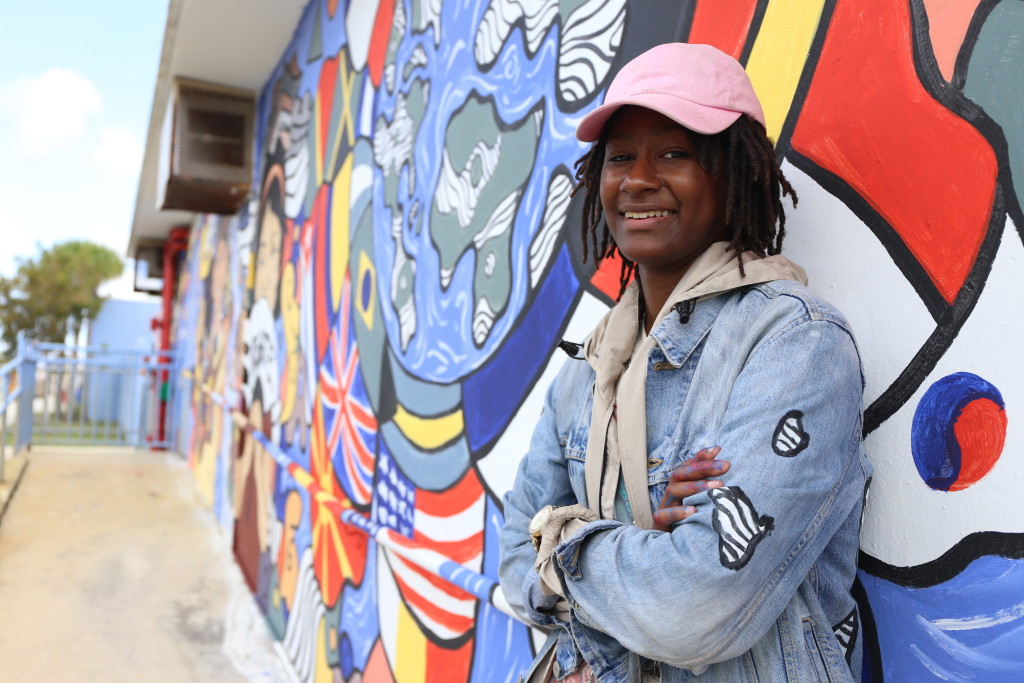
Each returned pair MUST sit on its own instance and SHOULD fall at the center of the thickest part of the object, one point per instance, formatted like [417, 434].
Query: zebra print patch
[789, 437]
[739, 526]
[846, 633]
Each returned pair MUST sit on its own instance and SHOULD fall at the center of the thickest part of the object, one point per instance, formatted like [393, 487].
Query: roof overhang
[235, 43]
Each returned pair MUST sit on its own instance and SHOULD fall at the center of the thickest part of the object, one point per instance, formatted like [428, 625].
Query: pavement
[111, 570]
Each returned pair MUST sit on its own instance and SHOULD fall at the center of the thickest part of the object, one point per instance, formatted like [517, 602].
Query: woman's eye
[678, 154]
[618, 157]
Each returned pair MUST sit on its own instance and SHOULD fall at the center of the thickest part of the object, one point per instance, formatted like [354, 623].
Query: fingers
[665, 517]
[682, 489]
[693, 476]
[701, 466]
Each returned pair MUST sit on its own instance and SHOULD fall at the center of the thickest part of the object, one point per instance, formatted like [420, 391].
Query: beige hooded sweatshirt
[621, 444]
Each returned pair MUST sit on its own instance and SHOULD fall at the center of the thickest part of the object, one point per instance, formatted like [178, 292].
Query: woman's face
[662, 207]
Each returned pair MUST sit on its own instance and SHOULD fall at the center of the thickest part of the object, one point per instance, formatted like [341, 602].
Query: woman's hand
[689, 478]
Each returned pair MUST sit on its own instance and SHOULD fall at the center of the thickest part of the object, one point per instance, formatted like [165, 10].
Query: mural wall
[369, 340]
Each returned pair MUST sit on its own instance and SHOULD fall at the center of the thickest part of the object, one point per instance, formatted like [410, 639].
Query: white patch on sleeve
[790, 438]
[739, 526]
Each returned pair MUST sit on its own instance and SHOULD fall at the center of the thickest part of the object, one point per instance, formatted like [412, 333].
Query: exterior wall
[381, 320]
[120, 326]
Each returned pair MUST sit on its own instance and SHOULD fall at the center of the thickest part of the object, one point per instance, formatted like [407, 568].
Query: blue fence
[87, 395]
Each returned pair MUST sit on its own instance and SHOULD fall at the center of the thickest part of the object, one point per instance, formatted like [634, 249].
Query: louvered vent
[206, 148]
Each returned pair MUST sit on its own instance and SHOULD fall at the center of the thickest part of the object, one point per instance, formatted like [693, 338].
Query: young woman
[647, 557]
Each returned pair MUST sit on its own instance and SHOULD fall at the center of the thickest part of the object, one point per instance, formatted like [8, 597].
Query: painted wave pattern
[970, 627]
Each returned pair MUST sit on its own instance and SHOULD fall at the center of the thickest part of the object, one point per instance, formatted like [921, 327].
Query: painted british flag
[351, 425]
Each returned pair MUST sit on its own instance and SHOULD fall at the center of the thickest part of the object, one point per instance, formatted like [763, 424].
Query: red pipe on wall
[177, 242]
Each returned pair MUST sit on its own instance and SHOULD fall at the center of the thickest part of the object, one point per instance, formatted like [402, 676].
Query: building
[370, 319]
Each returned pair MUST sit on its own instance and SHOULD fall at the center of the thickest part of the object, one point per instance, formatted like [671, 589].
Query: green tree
[53, 294]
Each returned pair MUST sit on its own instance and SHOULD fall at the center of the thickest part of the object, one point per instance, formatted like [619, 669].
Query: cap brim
[696, 117]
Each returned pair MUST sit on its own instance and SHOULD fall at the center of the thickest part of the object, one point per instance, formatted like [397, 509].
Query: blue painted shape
[968, 628]
[394, 497]
[491, 395]
[520, 81]
[502, 649]
[932, 439]
[359, 626]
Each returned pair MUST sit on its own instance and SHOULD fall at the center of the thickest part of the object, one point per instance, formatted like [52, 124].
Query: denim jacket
[755, 586]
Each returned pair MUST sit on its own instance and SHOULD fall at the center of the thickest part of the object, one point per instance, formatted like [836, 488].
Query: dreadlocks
[754, 217]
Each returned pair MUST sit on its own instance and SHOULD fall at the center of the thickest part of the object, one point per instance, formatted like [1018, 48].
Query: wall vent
[206, 148]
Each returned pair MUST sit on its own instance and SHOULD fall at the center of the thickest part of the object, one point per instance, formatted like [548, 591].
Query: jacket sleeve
[720, 579]
[542, 479]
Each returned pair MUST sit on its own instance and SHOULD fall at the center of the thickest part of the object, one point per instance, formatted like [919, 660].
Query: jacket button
[557, 669]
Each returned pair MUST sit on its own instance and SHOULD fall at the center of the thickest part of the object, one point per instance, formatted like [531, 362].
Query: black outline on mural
[966, 51]
[872, 655]
[949, 564]
[753, 28]
[949, 318]
[783, 148]
[997, 139]
[953, 97]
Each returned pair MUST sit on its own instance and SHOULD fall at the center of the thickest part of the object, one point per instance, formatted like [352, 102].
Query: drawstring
[685, 310]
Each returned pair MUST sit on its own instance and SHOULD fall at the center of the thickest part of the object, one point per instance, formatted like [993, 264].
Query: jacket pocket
[814, 652]
[821, 650]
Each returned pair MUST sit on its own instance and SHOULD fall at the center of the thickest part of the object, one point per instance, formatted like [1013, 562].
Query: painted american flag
[449, 522]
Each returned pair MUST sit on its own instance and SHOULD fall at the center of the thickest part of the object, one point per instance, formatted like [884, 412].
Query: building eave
[235, 43]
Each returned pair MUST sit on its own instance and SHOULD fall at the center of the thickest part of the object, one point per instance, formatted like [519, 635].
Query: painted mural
[368, 341]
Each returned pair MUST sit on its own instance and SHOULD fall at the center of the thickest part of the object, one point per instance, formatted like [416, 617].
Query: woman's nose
[641, 175]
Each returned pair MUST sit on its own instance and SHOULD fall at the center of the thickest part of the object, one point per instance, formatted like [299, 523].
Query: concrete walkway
[110, 570]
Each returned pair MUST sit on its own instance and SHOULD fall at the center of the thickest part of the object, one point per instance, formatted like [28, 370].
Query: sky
[76, 88]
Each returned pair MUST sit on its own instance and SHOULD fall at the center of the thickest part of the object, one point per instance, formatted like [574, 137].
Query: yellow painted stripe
[410, 649]
[301, 477]
[323, 673]
[340, 192]
[429, 432]
[779, 54]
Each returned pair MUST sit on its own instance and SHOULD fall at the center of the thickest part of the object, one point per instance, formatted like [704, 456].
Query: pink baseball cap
[697, 86]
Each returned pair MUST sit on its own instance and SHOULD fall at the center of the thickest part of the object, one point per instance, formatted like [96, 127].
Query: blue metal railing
[87, 395]
[19, 372]
[100, 396]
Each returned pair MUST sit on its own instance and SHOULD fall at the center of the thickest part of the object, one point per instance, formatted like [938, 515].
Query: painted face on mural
[268, 256]
[662, 207]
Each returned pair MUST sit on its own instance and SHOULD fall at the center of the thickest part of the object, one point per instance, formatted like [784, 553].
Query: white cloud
[119, 151]
[51, 110]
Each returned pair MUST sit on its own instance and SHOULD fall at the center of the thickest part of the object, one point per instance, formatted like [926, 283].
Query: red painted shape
[722, 23]
[867, 119]
[981, 432]
[325, 102]
[379, 40]
[606, 277]
[377, 667]
[321, 274]
[454, 663]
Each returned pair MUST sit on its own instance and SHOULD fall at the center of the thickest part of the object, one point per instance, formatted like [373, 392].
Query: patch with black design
[846, 633]
[790, 438]
[738, 525]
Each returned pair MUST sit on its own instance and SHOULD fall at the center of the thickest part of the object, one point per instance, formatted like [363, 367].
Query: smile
[645, 214]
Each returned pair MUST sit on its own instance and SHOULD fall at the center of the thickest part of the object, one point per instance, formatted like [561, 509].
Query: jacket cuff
[568, 553]
[541, 607]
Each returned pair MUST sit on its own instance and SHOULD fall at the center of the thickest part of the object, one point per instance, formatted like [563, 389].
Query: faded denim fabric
[756, 585]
